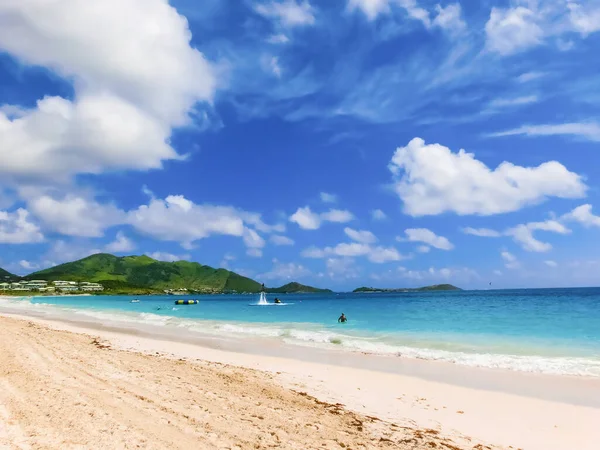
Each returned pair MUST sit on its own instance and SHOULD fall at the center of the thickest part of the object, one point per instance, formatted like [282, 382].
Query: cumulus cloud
[551, 263]
[75, 216]
[337, 216]
[523, 234]
[306, 219]
[431, 179]
[481, 232]
[450, 18]
[167, 257]
[428, 237]
[378, 214]
[254, 252]
[585, 18]
[362, 236]
[28, 265]
[328, 198]
[17, 228]
[510, 260]
[423, 249]
[288, 13]
[583, 214]
[341, 268]
[378, 255]
[371, 8]
[121, 244]
[286, 271]
[178, 219]
[134, 74]
[309, 220]
[281, 240]
[512, 30]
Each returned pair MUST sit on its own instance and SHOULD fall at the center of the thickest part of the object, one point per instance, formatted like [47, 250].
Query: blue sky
[317, 141]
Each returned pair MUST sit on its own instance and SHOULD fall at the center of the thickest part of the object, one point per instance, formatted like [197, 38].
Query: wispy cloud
[589, 131]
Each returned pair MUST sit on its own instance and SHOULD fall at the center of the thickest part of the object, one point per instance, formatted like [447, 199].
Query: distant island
[138, 275]
[435, 287]
[297, 288]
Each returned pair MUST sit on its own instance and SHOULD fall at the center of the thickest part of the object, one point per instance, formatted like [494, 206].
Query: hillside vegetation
[134, 273]
[144, 275]
[5, 275]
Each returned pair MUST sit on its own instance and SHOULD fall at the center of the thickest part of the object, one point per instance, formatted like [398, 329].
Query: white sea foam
[313, 335]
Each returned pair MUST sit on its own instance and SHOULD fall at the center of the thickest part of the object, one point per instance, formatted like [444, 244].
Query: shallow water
[543, 330]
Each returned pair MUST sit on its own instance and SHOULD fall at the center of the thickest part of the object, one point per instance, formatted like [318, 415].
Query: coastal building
[44, 286]
[90, 287]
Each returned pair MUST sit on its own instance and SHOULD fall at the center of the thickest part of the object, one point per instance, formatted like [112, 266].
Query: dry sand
[61, 390]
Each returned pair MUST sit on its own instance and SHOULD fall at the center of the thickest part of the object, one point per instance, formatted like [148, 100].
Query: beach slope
[62, 390]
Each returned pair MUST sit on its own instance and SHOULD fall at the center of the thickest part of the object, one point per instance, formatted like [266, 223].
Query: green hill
[4, 275]
[144, 275]
[296, 288]
[435, 287]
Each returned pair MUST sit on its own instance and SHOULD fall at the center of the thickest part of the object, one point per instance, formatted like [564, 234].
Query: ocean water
[555, 331]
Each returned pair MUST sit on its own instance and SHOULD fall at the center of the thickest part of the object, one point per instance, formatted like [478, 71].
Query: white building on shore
[45, 286]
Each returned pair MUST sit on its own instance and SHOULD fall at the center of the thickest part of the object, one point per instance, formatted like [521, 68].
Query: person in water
[342, 319]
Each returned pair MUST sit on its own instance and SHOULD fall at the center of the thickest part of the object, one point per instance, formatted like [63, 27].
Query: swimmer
[342, 319]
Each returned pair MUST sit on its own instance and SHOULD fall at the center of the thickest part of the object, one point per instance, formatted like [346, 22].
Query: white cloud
[62, 251]
[76, 216]
[371, 8]
[512, 30]
[278, 39]
[380, 255]
[286, 271]
[274, 66]
[481, 232]
[498, 273]
[510, 260]
[121, 244]
[516, 101]
[167, 257]
[583, 214]
[423, 249]
[178, 219]
[281, 240]
[27, 265]
[135, 78]
[444, 274]
[378, 214]
[362, 236]
[450, 18]
[341, 268]
[585, 19]
[377, 255]
[551, 263]
[289, 13]
[254, 252]
[530, 76]
[523, 234]
[308, 220]
[430, 180]
[589, 131]
[16, 228]
[428, 237]
[337, 216]
[328, 198]
[252, 239]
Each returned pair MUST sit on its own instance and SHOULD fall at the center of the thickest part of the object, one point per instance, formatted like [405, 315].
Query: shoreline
[554, 412]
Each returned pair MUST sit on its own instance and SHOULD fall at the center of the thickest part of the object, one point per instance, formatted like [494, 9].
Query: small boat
[277, 301]
[134, 301]
[186, 302]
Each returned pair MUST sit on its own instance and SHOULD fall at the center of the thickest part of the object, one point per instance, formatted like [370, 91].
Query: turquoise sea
[554, 331]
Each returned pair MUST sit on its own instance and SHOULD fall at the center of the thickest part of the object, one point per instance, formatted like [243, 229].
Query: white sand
[484, 416]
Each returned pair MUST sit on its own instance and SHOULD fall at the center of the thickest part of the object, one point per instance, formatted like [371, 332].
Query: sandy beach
[64, 386]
